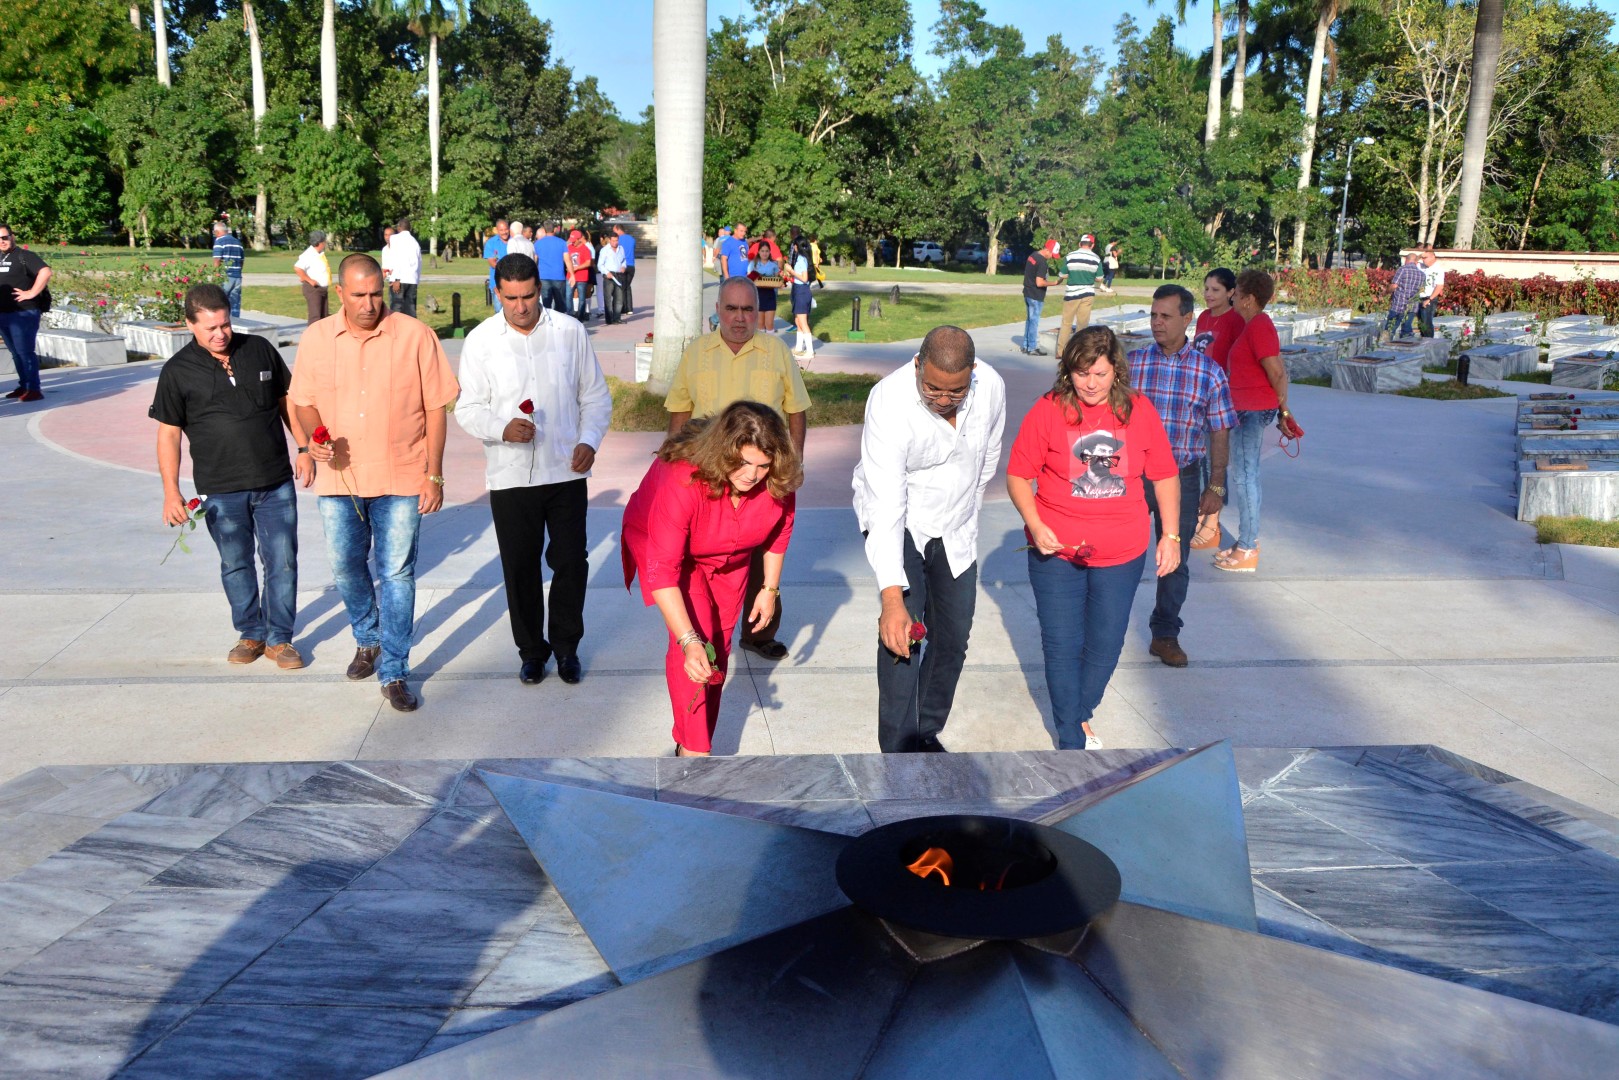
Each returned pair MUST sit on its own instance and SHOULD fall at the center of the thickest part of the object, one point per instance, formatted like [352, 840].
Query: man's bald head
[357, 265]
[948, 348]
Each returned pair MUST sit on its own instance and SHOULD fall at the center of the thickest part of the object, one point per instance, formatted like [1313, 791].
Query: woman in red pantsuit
[719, 488]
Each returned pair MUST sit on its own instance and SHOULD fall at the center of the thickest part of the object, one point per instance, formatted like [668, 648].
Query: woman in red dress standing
[718, 489]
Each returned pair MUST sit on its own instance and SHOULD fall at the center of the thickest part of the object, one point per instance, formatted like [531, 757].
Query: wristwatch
[303, 449]
[439, 480]
[1217, 489]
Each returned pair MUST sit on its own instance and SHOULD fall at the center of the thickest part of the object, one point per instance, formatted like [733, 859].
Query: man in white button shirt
[520, 244]
[932, 440]
[405, 263]
[536, 459]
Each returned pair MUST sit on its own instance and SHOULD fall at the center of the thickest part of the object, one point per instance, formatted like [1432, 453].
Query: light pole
[1343, 210]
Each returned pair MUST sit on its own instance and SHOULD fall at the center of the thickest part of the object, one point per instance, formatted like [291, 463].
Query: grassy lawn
[917, 313]
[289, 300]
[1577, 530]
[278, 261]
[835, 399]
[1532, 376]
[1314, 380]
[1450, 391]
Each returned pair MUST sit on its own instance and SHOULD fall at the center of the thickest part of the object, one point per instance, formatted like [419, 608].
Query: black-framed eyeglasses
[935, 394]
[1110, 460]
[6, 237]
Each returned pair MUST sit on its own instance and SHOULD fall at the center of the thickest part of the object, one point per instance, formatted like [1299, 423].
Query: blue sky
[619, 51]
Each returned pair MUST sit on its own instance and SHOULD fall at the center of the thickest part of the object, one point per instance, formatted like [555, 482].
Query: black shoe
[931, 745]
[17, 393]
[569, 668]
[399, 696]
[364, 664]
[532, 672]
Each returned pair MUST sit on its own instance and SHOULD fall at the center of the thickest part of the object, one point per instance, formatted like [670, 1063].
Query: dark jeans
[914, 696]
[20, 329]
[402, 298]
[1084, 612]
[1398, 323]
[628, 277]
[266, 518]
[1425, 318]
[554, 294]
[317, 300]
[387, 526]
[523, 518]
[1166, 614]
[613, 302]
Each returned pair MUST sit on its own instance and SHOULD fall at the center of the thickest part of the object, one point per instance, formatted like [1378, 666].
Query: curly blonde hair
[714, 446]
[1079, 355]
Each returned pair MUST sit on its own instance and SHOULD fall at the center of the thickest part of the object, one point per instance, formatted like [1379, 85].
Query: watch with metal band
[439, 480]
[1217, 489]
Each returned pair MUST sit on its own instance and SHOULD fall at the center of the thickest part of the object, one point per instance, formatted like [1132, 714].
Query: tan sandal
[1208, 533]
[1239, 560]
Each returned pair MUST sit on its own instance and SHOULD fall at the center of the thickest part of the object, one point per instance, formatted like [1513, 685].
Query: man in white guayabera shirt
[932, 440]
[533, 391]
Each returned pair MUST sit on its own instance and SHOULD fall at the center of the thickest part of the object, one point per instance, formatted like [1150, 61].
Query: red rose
[193, 504]
[918, 633]
[527, 407]
[321, 436]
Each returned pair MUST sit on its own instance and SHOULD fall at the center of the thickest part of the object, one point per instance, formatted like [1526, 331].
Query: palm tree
[1325, 15]
[679, 79]
[430, 19]
[261, 204]
[134, 14]
[1211, 126]
[1480, 96]
[328, 66]
[161, 29]
[1239, 71]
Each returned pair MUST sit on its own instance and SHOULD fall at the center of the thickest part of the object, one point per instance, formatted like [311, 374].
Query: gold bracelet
[1172, 536]
[770, 588]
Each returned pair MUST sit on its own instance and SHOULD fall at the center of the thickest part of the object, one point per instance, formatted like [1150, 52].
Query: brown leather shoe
[1169, 650]
[285, 656]
[364, 664]
[246, 651]
[399, 696]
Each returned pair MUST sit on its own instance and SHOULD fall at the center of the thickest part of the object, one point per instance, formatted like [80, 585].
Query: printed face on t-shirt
[1093, 458]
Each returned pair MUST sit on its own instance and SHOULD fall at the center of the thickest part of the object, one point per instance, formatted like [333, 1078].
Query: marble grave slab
[80, 348]
[1377, 372]
[1499, 361]
[1585, 370]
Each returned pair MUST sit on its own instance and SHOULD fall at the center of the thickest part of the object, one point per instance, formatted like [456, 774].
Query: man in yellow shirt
[741, 363]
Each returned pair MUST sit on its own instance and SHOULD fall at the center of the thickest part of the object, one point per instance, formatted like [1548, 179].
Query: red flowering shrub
[1477, 293]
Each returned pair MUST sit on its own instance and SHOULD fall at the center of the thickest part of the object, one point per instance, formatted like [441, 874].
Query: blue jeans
[1084, 612]
[578, 300]
[267, 518]
[1398, 323]
[1031, 324]
[1247, 440]
[494, 295]
[554, 294]
[19, 329]
[1425, 318]
[389, 524]
[233, 293]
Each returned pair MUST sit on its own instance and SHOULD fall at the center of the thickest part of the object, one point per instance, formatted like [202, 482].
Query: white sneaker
[1094, 742]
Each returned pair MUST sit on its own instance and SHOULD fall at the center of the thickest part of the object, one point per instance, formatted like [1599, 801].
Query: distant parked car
[1014, 254]
[928, 253]
[974, 254]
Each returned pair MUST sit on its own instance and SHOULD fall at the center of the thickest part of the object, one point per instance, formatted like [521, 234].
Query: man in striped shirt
[1082, 265]
[228, 255]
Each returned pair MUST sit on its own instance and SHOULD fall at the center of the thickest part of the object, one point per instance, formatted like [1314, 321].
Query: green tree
[78, 48]
[55, 182]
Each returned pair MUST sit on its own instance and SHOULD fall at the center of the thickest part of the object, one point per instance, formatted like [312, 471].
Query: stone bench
[80, 348]
[1500, 361]
[1585, 371]
[281, 329]
[1590, 490]
[154, 339]
[60, 318]
[1377, 372]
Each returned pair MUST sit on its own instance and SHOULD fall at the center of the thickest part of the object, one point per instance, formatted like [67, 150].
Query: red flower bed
[1475, 294]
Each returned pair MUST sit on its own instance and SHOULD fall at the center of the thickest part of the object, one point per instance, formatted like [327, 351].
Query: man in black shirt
[23, 298]
[227, 393]
[1034, 295]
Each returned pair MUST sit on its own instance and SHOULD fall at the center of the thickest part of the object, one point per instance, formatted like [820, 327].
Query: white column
[679, 80]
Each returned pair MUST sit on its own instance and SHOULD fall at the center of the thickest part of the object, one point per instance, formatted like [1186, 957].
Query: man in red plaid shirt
[1193, 399]
[1407, 283]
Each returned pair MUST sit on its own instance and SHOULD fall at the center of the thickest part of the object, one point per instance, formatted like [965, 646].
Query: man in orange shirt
[377, 385]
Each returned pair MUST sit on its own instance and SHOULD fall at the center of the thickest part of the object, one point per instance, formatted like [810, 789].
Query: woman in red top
[579, 260]
[1078, 466]
[1218, 326]
[1258, 392]
[720, 488]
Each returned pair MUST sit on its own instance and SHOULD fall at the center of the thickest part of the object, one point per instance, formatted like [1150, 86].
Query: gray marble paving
[337, 919]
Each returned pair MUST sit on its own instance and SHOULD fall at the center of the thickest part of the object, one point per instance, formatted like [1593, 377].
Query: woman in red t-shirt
[579, 260]
[1218, 326]
[1077, 473]
[1258, 392]
[718, 490]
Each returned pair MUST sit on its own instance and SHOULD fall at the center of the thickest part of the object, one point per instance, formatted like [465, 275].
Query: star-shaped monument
[1113, 937]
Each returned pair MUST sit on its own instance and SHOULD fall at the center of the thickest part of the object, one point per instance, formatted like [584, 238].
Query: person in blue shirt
[734, 253]
[229, 256]
[494, 250]
[550, 252]
[626, 244]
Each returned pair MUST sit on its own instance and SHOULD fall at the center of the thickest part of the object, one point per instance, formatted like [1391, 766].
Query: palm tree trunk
[432, 133]
[1312, 111]
[135, 16]
[1239, 71]
[161, 29]
[1480, 96]
[1211, 128]
[261, 204]
[328, 66]
[1534, 192]
[679, 81]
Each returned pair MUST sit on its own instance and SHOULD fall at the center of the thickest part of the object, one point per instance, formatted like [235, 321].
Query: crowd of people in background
[585, 274]
[772, 268]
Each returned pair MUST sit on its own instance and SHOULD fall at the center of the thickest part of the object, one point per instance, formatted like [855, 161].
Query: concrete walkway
[1398, 602]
